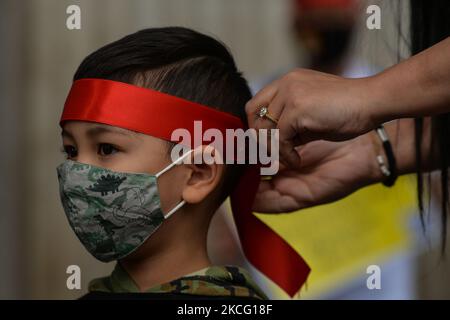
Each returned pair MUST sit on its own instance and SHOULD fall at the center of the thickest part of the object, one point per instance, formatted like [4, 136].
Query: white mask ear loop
[172, 164]
[172, 211]
[182, 202]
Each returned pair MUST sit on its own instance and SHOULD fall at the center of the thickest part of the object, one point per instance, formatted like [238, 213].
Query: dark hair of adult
[430, 24]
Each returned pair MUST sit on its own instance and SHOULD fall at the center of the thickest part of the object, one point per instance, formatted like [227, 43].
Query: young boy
[119, 185]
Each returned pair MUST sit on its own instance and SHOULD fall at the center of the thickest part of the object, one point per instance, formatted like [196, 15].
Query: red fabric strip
[139, 109]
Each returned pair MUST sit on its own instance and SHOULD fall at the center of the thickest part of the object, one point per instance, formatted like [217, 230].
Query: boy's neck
[177, 258]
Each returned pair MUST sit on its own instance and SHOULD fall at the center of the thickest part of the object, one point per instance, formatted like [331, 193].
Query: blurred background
[38, 56]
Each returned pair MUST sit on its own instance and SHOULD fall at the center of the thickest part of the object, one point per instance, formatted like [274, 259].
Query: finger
[262, 98]
[315, 152]
[270, 200]
[288, 140]
[305, 137]
[275, 107]
[267, 199]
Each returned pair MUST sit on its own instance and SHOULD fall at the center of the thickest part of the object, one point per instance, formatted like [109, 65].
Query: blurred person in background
[325, 30]
[322, 35]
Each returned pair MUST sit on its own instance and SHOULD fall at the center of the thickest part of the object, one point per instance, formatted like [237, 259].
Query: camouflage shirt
[231, 281]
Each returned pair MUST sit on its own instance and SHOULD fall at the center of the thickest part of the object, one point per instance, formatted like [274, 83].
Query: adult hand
[329, 171]
[311, 105]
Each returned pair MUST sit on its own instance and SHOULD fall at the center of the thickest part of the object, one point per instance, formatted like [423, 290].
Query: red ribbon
[158, 114]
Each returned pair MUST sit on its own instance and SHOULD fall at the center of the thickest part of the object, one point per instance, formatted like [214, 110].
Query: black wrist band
[390, 172]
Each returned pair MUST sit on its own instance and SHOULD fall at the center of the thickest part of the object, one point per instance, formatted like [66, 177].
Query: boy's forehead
[93, 128]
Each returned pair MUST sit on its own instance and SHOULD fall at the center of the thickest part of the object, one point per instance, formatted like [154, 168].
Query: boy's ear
[203, 177]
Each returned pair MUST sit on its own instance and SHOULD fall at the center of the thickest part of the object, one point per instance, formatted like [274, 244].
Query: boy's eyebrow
[67, 134]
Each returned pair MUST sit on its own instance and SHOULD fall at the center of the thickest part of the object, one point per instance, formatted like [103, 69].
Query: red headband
[158, 114]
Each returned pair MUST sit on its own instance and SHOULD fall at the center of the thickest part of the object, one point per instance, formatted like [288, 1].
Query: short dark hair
[180, 62]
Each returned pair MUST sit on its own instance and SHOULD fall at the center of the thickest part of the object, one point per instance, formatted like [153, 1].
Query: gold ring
[264, 113]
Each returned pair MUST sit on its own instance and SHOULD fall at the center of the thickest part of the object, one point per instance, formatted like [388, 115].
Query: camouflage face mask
[112, 213]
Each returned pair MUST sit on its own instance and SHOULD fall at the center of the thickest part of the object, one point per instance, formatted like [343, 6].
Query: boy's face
[123, 150]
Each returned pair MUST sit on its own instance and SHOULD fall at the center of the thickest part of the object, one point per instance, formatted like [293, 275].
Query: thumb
[288, 140]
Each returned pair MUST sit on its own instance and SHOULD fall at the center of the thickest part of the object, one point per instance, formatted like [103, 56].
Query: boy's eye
[70, 151]
[105, 149]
